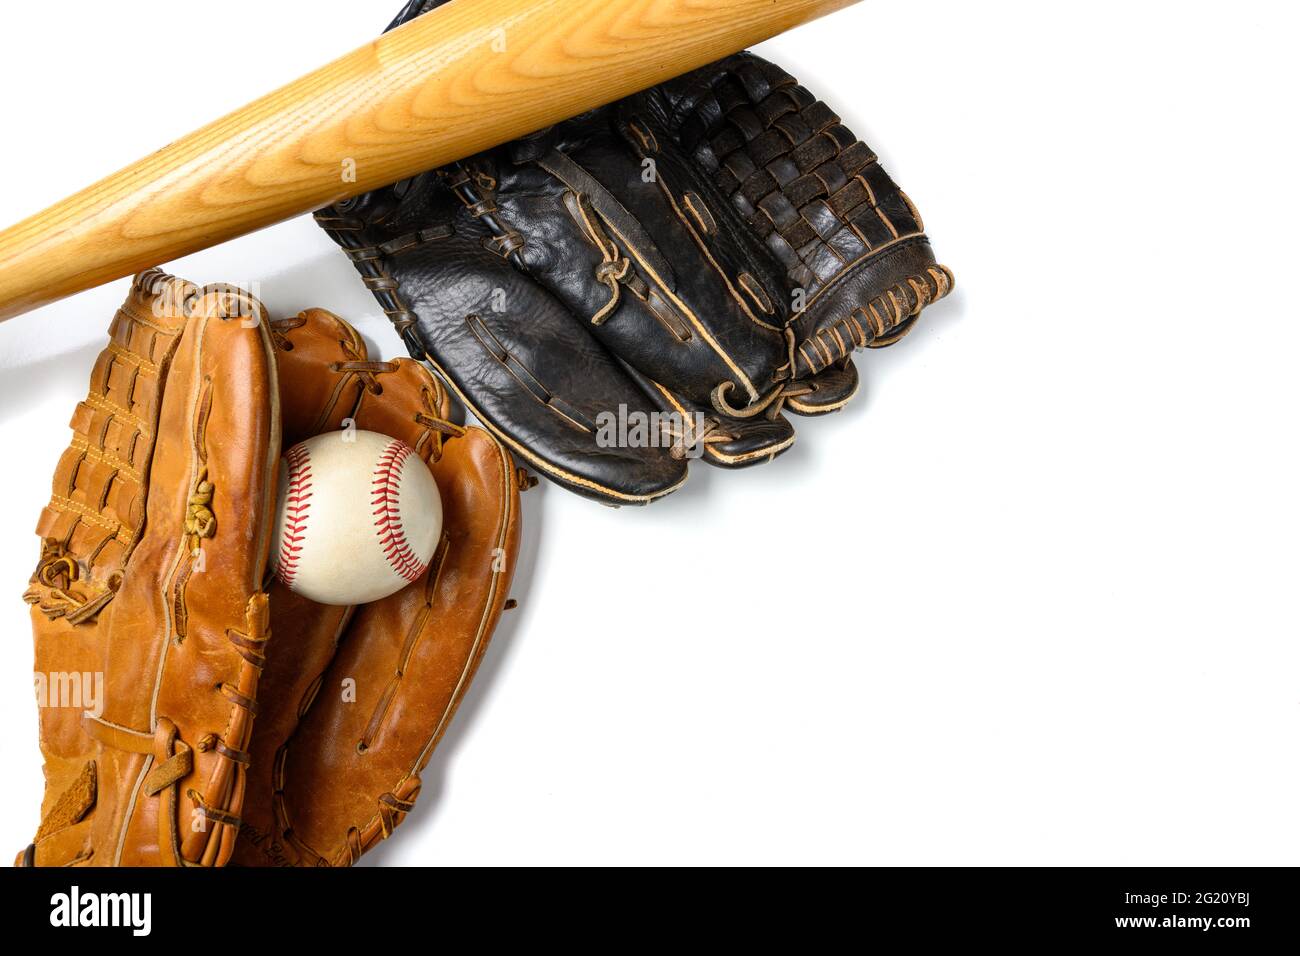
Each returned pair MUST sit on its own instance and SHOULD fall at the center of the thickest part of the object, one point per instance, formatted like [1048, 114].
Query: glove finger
[189, 623]
[698, 431]
[508, 349]
[406, 660]
[88, 531]
[313, 393]
[827, 391]
[850, 315]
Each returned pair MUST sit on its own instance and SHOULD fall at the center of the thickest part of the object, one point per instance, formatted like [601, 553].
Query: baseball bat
[467, 76]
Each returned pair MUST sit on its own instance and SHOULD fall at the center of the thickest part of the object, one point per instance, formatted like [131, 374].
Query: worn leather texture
[147, 606]
[154, 609]
[703, 257]
[353, 706]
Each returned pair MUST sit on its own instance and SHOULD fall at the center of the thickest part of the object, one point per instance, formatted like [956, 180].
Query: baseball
[358, 517]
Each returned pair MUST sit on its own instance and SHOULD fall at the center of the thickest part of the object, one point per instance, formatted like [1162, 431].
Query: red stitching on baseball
[297, 503]
[388, 518]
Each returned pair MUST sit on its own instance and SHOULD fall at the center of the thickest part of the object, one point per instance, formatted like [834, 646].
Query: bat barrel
[460, 79]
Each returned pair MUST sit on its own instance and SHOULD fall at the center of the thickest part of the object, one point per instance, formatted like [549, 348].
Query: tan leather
[350, 717]
[154, 549]
[153, 577]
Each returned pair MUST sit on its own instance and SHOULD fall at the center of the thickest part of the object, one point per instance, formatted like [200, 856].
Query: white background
[1031, 599]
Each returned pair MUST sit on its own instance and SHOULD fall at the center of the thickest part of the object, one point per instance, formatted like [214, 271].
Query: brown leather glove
[147, 605]
[656, 280]
[354, 700]
[151, 607]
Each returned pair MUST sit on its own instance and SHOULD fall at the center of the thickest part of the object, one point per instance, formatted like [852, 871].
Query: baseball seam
[387, 486]
[297, 505]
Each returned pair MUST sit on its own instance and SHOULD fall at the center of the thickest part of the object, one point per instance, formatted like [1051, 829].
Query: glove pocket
[352, 770]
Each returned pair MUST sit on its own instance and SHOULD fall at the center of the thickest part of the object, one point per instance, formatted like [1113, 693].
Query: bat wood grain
[465, 77]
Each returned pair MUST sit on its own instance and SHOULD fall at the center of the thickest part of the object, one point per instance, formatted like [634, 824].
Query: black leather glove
[655, 280]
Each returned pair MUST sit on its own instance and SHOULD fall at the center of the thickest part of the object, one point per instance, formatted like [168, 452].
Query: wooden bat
[467, 76]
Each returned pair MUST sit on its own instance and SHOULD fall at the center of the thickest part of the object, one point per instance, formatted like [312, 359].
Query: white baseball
[358, 517]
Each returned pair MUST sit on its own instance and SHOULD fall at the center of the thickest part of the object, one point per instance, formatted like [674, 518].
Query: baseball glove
[152, 605]
[149, 614]
[655, 280]
[354, 700]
